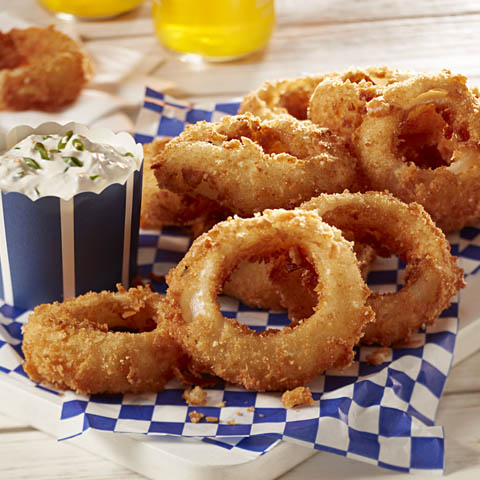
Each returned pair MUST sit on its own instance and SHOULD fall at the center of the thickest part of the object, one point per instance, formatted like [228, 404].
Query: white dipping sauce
[62, 166]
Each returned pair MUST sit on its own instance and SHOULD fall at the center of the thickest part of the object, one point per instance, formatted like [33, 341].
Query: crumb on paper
[195, 417]
[300, 396]
[211, 419]
[239, 414]
[195, 396]
[261, 415]
[230, 422]
[379, 356]
[221, 404]
[251, 409]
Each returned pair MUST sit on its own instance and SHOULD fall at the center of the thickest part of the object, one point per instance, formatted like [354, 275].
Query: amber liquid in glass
[214, 29]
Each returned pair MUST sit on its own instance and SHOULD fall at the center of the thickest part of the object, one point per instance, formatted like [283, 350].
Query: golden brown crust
[247, 165]
[44, 69]
[86, 343]
[298, 397]
[432, 273]
[420, 140]
[253, 285]
[267, 360]
[161, 207]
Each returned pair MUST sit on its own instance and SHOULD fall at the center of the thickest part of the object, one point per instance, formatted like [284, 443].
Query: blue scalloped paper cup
[54, 248]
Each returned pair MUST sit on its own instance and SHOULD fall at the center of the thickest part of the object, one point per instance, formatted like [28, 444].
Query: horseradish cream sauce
[62, 166]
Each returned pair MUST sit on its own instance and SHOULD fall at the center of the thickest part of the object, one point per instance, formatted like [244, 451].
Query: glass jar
[216, 30]
[90, 9]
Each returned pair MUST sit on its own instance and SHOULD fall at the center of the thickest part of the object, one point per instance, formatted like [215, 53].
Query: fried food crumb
[156, 278]
[211, 419]
[379, 356]
[195, 417]
[297, 397]
[239, 414]
[231, 422]
[136, 281]
[221, 404]
[261, 415]
[251, 409]
[195, 396]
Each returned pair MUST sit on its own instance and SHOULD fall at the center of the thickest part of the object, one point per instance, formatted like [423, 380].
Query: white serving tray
[157, 457]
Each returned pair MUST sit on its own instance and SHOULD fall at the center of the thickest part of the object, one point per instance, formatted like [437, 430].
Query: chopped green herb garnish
[128, 154]
[54, 150]
[93, 177]
[78, 144]
[46, 137]
[64, 140]
[17, 148]
[30, 162]
[73, 161]
[40, 147]
[37, 191]
[20, 174]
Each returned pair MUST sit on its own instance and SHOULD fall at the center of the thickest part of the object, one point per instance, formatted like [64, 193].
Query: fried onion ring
[432, 274]
[339, 102]
[161, 207]
[86, 343]
[420, 140]
[270, 360]
[248, 165]
[292, 96]
[41, 68]
[250, 282]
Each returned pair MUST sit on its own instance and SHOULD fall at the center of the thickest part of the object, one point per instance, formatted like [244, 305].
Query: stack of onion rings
[86, 343]
[270, 360]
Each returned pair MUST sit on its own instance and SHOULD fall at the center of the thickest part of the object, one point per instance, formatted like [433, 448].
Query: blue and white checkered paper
[378, 414]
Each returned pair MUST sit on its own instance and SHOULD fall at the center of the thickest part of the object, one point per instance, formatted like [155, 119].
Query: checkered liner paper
[382, 414]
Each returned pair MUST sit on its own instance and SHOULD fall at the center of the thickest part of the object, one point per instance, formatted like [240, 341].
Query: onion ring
[420, 140]
[84, 343]
[41, 68]
[161, 207]
[432, 274]
[270, 360]
[248, 165]
[251, 282]
[291, 97]
[339, 102]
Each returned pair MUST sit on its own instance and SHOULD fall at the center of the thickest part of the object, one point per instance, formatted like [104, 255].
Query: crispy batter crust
[161, 207]
[292, 97]
[42, 69]
[300, 396]
[247, 165]
[420, 140]
[253, 285]
[85, 343]
[432, 273]
[270, 360]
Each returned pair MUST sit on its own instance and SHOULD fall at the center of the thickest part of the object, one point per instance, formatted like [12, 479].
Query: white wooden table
[311, 36]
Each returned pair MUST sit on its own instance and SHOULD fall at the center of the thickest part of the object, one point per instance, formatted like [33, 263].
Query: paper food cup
[55, 248]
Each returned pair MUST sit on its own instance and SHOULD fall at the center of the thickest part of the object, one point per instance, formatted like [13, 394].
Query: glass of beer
[90, 9]
[216, 30]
